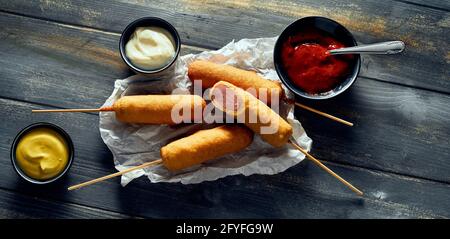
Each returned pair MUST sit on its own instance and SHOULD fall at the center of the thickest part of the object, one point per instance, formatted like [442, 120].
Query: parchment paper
[132, 145]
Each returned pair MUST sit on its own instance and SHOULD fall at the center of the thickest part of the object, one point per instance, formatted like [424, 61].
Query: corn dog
[210, 73]
[256, 115]
[205, 145]
[154, 109]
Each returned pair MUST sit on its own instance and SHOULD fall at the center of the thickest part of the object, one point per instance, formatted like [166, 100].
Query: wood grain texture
[80, 63]
[397, 129]
[437, 4]
[397, 152]
[303, 191]
[408, 125]
[20, 206]
[211, 24]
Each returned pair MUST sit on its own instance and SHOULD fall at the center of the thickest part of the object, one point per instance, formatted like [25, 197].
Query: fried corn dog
[154, 109]
[205, 145]
[210, 73]
[256, 115]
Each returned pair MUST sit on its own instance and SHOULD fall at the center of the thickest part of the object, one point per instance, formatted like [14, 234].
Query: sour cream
[150, 48]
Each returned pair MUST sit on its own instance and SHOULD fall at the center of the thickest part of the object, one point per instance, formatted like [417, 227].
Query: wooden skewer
[66, 110]
[111, 109]
[320, 164]
[148, 164]
[155, 162]
[324, 114]
[73, 110]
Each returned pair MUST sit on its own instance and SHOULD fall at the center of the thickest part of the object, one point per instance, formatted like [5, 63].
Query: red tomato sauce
[305, 58]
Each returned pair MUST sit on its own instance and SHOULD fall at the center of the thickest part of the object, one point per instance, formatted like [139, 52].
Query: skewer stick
[148, 164]
[66, 110]
[73, 110]
[324, 114]
[155, 162]
[320, 164]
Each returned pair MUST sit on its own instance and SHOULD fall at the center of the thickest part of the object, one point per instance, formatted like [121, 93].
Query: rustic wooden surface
[65, 54]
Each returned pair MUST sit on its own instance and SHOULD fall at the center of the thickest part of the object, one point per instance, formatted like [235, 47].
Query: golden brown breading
[205, 145]
[156, 109]
[256, 115]
[210, 73]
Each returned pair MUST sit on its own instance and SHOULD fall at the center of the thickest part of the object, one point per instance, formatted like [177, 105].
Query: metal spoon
[389, 47]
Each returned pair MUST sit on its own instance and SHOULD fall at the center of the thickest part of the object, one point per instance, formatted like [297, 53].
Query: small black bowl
[148, 22]
[28, 129]
[330, 27]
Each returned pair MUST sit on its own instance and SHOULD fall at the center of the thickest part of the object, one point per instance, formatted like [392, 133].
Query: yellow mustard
[42, 153]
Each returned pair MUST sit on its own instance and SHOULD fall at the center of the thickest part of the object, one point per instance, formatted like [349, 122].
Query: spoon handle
[389, 47]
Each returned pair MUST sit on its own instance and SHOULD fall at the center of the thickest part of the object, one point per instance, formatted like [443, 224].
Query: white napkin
[132, 145]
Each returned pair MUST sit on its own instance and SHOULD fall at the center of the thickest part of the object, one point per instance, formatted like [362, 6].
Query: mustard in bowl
[42, 153]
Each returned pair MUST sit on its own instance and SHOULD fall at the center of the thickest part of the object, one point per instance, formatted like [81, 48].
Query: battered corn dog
[210, 73]
[205, 145]
[256, 115]
[155, 109]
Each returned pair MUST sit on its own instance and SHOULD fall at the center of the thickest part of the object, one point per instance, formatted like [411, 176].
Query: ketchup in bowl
[305, 59]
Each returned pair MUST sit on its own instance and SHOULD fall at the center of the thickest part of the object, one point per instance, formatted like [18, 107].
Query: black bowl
[148, 22]
[330, 27]
[28, 129]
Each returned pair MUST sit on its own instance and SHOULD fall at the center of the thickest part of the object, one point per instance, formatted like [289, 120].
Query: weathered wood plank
[408, 125]
[39, 56]
[396, 129]
[303, 191]
[17, 205]
[212, 24]
[437, 4]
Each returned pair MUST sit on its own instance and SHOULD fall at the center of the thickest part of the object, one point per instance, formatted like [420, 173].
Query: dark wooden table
[64, 54]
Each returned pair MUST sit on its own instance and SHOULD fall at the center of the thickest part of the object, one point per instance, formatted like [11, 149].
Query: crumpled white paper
[133, 145]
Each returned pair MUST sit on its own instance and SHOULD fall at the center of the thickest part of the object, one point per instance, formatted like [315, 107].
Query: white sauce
[150, 48]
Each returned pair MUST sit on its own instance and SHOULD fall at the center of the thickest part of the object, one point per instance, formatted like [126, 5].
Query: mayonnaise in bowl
[150, 48]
